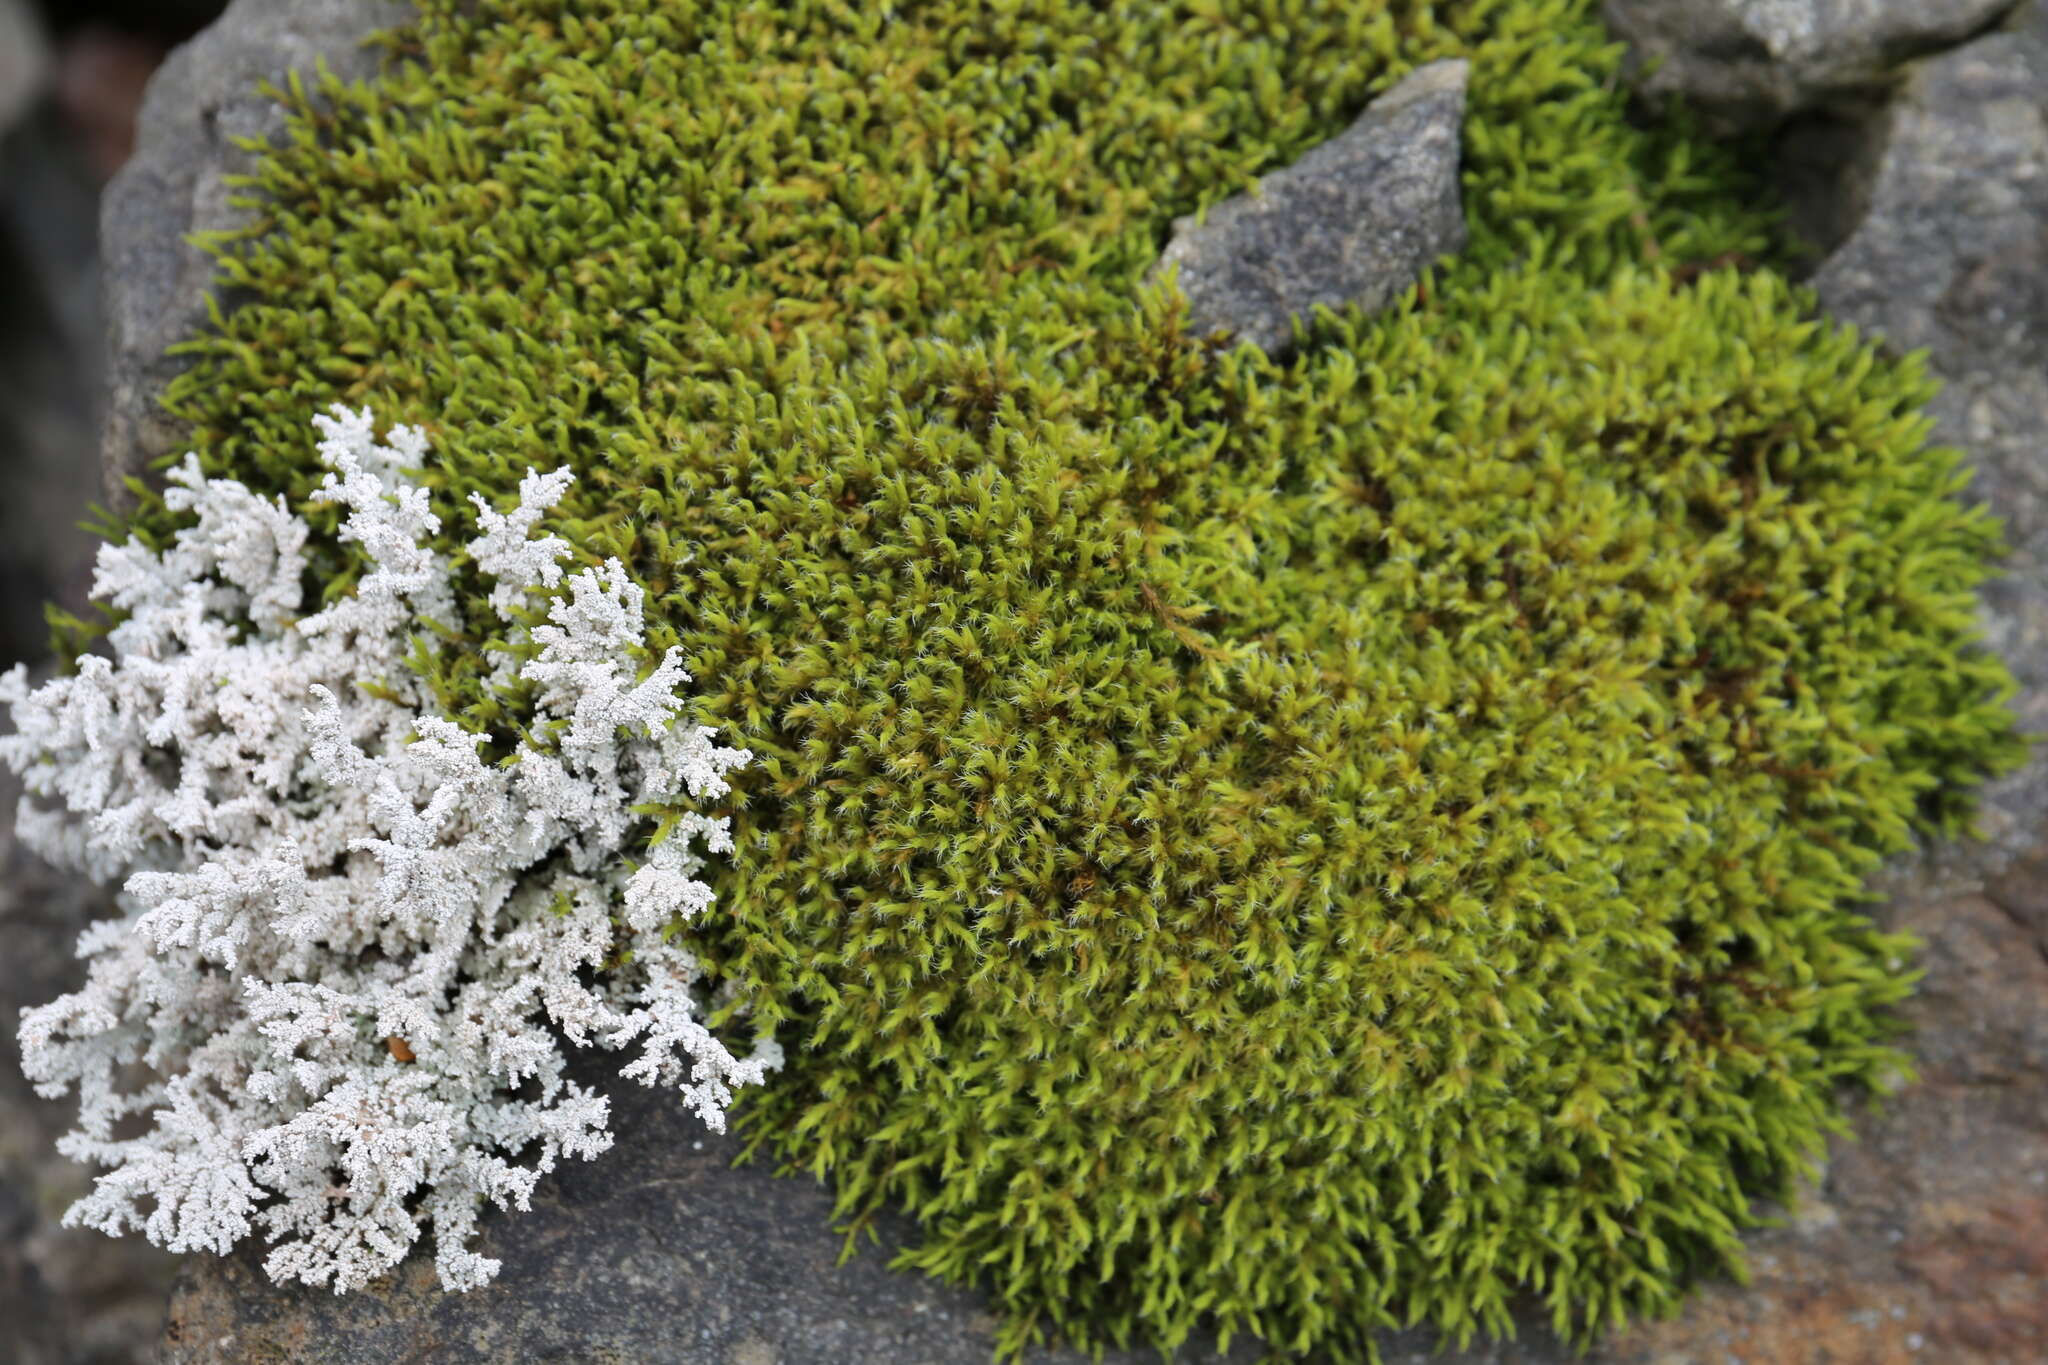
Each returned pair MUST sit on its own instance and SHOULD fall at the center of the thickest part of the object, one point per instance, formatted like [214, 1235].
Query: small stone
[1812, 1216]
[1355, 221]
[1751, 63]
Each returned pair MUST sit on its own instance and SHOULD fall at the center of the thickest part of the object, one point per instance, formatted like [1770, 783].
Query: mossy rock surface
[1303, 848]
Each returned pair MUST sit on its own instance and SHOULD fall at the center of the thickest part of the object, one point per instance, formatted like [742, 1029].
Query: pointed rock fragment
[1355, 221]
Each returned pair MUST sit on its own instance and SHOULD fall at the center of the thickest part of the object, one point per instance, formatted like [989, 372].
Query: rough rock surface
[1951, 256]
[67, 1296]
[1749, 63]
[656, 1251]
[1354, 221]
[201, 100]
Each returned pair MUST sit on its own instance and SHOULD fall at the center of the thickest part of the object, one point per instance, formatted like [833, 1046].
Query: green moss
[1303, 848]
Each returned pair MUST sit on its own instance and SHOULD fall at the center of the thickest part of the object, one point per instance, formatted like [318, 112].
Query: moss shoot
[1296, 849]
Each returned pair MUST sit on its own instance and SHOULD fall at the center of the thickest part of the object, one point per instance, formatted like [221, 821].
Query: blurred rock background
[71, 79]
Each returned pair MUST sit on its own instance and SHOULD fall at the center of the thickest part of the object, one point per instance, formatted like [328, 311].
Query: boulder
[200, 102]
[1750, 63]
[1355, 221]
[1927, 1237]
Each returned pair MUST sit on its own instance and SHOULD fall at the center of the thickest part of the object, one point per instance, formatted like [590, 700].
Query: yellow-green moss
[1299, 848]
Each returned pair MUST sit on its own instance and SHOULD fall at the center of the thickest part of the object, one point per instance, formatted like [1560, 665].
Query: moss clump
[1301, 848]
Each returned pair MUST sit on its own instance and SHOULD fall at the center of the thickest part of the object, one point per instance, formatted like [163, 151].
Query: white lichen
[336, 1010]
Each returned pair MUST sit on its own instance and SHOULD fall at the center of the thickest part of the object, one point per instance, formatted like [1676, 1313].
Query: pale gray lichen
[353, 950]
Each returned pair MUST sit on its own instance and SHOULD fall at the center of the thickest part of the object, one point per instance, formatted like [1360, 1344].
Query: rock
[1951, 255]
[1750, 63]
[656, 1251]
[201, 100]
[1823, 165]
[1927, 1238]
[67, 1296]
[1356, 220]
[24, 60]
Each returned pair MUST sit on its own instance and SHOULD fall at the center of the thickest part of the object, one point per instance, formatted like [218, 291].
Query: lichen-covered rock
[1752, 62]
[1353, 222]
[200, 102]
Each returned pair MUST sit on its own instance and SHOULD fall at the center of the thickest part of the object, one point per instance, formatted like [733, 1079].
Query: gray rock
[201, 100]
[656, 1251]
[24, 60]
[1951, 255]
[1356, 220]
[1749, 63]
[67, 1296]
[1924, 1235]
